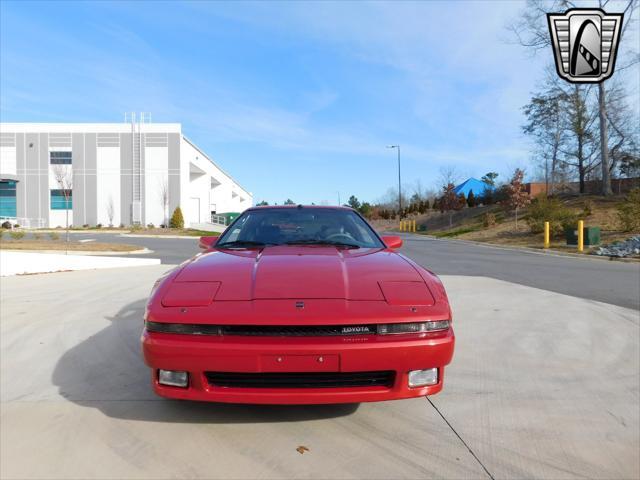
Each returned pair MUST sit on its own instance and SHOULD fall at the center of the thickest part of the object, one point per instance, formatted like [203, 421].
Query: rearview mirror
[207, 242]
[392, 241]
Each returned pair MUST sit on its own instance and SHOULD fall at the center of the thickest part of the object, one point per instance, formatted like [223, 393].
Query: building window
[59, 202]
[60, 158]
[8, 198]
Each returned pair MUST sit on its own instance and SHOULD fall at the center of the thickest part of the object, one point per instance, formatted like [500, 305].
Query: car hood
[305, 272]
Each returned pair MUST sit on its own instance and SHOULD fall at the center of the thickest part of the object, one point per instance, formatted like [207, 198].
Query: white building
[110, 174]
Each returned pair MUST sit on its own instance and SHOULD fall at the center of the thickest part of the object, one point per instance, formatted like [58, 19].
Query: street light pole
[399, 181]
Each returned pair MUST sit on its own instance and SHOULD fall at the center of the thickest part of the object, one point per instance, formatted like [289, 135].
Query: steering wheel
[339, 237]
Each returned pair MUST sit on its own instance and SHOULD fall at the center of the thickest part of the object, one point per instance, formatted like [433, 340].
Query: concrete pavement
[21, 263]
[542, 385]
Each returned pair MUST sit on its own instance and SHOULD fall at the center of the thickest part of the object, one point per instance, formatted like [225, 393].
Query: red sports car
[298, 305]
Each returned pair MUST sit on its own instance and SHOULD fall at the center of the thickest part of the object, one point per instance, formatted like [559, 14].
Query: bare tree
[581, 116]
[546, 124]
[448, 175]
[389, 201]
[531, 31]
[419, 190]
[111, 210]
[623, 134]
[450, 202]
[517, 197]
[164, 200]
[63, 176]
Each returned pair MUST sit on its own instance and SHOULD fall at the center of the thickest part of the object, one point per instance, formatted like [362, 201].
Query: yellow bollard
[546, 234]
[401, 225]
[580, 235]
[414, 226]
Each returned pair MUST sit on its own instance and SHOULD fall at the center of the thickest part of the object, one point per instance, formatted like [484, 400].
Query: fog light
[173, 378]
[421, 378]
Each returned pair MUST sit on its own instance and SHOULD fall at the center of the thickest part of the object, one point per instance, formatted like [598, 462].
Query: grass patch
[184, 232]
[71, 246]
[455, 232]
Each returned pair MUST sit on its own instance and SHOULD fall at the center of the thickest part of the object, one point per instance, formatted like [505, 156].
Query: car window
[304, 225]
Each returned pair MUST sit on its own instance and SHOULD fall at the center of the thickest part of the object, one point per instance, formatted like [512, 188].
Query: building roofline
[190, 142]
[93, 127]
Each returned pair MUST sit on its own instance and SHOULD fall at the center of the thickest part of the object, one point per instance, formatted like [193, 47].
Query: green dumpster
[591, 235]
[230, 217]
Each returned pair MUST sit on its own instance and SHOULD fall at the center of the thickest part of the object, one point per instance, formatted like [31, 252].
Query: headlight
[418, 327]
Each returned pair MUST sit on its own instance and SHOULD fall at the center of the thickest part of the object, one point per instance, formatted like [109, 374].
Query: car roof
[325, 207]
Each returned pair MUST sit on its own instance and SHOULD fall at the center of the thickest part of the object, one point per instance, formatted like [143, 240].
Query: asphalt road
[613, 282]
[542, 385]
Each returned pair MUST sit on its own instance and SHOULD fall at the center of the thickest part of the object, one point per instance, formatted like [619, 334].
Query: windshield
[300, 226]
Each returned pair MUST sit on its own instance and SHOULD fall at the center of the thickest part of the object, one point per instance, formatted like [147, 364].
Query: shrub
[587, 208]
[36, 236]
[54, 236]
[6, 225]
[629, 211]
[471, 199]
[17, 235]
[16, 226]
[487, 197]
[177, 220]
[488, 220]
[151, 225]
[549, 209]
[99, 225]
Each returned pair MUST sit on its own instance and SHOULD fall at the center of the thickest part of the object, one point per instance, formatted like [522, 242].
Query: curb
[133, 235]
[550, 253]
[86, 232]
[88, 253]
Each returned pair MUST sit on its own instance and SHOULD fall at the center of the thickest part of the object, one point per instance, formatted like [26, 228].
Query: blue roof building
[473, 184]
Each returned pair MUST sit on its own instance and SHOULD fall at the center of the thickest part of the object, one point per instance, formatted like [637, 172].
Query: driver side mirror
[392, 241]
[207, 242]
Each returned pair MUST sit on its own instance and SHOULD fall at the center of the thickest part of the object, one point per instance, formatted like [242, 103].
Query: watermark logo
[585, 43]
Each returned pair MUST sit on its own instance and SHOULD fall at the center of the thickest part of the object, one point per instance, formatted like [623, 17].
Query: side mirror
[207, 242]
[392, 241]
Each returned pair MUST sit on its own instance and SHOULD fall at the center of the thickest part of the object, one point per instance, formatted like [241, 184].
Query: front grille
[301, 380]
[262, 330]
[298, 330]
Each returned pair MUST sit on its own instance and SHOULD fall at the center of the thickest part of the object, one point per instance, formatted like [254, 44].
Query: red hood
[298, 272]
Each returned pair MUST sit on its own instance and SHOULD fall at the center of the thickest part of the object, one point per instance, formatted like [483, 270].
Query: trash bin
[229, 217]
[591, 236]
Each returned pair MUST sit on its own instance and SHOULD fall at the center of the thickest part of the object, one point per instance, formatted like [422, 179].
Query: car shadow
[106, 371]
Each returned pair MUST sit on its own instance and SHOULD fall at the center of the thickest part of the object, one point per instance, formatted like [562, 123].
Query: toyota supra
[298, 305]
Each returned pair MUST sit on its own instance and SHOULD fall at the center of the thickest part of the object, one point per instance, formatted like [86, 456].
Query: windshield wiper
[242, 244]
[322, 242]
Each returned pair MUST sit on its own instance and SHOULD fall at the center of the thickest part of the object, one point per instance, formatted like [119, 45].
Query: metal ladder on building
[137, 156]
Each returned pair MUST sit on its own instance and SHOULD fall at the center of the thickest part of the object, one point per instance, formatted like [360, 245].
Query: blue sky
[293, 99]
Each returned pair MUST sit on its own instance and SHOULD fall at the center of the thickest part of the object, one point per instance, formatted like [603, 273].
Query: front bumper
[200, 354]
